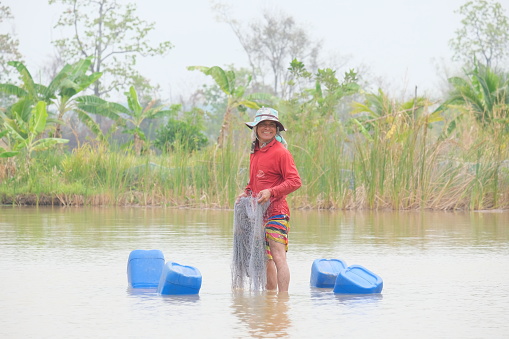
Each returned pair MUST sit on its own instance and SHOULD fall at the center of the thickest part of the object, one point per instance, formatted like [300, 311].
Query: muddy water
[63, 274]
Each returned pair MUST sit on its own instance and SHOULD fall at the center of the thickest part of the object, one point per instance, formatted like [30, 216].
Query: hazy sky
[400, 41]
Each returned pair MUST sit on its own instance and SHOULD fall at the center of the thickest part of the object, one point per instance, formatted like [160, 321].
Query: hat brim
[253, 124]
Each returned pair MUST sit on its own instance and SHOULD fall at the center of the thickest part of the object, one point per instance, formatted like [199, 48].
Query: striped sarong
[277, 228]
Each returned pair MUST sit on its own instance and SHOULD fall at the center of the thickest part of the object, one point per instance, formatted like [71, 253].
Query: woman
[272, 176]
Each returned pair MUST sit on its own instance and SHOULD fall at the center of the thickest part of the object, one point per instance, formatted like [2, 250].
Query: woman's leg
[271, 276]
[278, 252]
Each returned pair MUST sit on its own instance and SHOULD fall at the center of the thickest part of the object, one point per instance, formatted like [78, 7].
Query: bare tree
[271, 44]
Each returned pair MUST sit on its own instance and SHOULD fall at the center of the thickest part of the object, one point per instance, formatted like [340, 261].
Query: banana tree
[29, 91]
[235, 95]
[134, 113]
[26, 135]
[64, 88]
[23, 120]
[3, 152]
[62, 93]
[27, 94]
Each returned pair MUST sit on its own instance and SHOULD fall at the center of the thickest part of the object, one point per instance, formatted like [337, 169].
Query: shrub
[178, 133]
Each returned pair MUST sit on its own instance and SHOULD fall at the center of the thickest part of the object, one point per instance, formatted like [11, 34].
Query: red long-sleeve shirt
[272, 167]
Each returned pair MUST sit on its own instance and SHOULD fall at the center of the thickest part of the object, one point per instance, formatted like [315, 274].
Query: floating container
[144, 268]
[325, 271]
[179, 279]
[358, 280]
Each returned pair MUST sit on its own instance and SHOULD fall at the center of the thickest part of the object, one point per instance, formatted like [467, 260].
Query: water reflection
[141, 291]
[151, 293]
[358, 299]
[325, 295]
[400, 228]
[187, 299]
[264, 313]
[95, 226]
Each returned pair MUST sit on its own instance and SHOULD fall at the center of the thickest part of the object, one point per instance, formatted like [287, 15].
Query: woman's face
[266, 131]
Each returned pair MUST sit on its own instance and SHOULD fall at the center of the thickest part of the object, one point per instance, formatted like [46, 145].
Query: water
[63, 274]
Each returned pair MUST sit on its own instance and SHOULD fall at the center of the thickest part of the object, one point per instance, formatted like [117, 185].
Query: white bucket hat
[266, 113]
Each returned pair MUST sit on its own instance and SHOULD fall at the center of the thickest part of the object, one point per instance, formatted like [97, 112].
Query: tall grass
[322, 157]
[410, 169]
[481, 162]
[391, 163]
[400, 163]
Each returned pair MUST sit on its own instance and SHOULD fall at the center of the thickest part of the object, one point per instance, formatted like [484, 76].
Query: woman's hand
[241, 195]
[263, 196]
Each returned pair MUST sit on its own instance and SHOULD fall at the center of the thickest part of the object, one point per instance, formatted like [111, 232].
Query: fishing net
[249, 258]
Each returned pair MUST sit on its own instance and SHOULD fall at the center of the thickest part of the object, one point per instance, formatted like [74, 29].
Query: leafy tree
[113, 35]
[484, 34]
[236, 98]
[181, 133]
[271, 44]
[321, 101]
[8, 46]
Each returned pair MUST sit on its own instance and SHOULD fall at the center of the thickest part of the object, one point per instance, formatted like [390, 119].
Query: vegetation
[235, 96]
[135, 114]
[484, 93]
[484, 34]
[9, 45]
[354, 149]
[270, 44]
[113, 36]
[182, 134]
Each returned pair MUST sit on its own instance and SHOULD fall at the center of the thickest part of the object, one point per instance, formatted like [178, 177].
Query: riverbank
[141, 199]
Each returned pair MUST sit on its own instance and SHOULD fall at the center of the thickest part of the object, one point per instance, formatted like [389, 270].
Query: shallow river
[63, 275]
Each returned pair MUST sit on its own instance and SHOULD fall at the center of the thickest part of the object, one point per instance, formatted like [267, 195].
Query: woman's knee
[278, 251]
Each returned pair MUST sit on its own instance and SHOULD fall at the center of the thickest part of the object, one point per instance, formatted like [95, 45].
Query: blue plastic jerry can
[179, 279]
[357, 279]
[144, 268]
[325, 271]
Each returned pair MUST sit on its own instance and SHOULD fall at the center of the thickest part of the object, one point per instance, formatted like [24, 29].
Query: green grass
[402, 167]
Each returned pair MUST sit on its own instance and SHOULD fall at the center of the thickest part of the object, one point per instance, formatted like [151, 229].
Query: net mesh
[249, 258]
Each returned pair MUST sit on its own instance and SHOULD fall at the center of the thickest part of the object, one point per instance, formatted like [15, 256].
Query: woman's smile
[266, 131]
